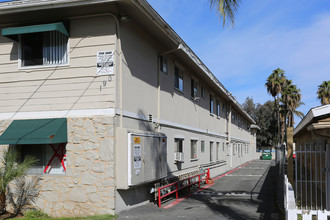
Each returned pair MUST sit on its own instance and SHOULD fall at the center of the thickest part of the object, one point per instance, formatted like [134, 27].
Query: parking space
[246, 192]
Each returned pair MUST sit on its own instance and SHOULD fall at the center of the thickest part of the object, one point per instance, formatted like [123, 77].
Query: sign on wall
[105, 62]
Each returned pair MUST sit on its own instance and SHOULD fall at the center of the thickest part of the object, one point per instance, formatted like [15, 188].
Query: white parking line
[242, 175]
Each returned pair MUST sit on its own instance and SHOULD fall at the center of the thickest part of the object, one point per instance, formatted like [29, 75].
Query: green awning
[13, 32]
[36, 131]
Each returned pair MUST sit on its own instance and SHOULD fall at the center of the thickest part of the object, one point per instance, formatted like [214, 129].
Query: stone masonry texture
[88, 187]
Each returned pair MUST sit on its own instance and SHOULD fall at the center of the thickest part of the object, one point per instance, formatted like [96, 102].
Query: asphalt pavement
[246, 192]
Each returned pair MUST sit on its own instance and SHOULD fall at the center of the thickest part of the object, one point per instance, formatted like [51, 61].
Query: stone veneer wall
[88, 187]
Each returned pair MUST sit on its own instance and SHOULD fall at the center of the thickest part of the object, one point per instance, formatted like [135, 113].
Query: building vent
[150, 118]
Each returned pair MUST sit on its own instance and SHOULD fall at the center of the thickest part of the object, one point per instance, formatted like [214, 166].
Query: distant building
[110, 100]
[312, 181]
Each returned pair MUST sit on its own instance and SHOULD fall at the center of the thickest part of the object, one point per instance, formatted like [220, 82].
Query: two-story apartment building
[110, 100]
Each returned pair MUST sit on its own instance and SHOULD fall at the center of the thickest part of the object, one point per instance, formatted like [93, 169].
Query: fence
[175, 187]
[292, 213]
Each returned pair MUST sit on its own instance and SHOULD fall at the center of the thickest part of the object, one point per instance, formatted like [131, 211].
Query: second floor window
[178, 79]
[194, 89]
[43, 48]
[163, 64]
[202, 92]
[218, 108]
[211, 105]
[193, 149]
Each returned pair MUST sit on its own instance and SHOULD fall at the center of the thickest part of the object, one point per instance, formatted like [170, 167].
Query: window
[179, 145]
[223, 146]
[43, 48]
[211, 151]
[193, 149]
[194, 90]
[202, 92]
[218, 151]
[228, 149]
[218, 108]
[48, 162]
[211, 105]
[178, 83]
[202, 146]
[163, 64]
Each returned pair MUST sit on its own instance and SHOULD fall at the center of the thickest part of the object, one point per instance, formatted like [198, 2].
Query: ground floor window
[51, 158]
[193, 151]
[211, 151]
[202, 146]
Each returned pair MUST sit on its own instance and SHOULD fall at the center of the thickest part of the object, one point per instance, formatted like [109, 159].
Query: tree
[226, 9]
[274, 86]
[11, 170]
[264, 116]
[266, 120]
[291, 97]
[323, 92]
[250, 107]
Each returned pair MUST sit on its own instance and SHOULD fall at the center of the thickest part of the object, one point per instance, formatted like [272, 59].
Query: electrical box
[141, 158]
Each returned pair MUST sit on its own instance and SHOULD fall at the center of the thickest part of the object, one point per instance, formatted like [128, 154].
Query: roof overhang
[310, 116]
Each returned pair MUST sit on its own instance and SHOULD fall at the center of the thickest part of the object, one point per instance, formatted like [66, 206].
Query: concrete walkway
[244, 193]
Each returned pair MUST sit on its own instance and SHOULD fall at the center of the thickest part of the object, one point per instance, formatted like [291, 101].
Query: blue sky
[292, 35]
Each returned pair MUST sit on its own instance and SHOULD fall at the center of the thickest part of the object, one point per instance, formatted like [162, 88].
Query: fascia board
[312, 113]
[32, 5]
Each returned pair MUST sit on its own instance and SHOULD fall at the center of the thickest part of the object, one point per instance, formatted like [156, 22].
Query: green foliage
[35, 214]
[264, 116]
[11, 169]
[24, 193]
[323, 92]
[226, 9]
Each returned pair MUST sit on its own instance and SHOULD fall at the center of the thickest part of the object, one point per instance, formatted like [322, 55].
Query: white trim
[194, 139]
[129, 160]
[179, 126]
[58, 114]
[313, 113]
[179, 137]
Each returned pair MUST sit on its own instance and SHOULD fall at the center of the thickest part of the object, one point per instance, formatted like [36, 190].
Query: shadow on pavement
[259, 203]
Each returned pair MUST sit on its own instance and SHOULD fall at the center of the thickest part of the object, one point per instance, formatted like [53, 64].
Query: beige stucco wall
[179, 114]
[70, 87]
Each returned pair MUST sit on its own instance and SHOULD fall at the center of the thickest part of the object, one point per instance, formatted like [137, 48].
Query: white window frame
[202, 146]
[193, 149]
[20, 66]
[211, 151]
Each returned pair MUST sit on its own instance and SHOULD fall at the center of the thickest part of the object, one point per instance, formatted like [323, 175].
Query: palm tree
[10, 170]
[291, 100]
[274, 86]
[323, 93]
[226, 9]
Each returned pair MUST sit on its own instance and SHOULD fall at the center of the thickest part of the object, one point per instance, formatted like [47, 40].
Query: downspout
[229, 137]
[119, 56]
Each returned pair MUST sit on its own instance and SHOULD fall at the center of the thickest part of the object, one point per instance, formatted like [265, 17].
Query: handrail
[176, 184]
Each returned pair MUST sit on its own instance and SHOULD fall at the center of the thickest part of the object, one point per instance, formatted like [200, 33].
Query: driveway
[246, 192]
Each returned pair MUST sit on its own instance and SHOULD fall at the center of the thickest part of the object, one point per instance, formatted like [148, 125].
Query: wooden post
[290, 155]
